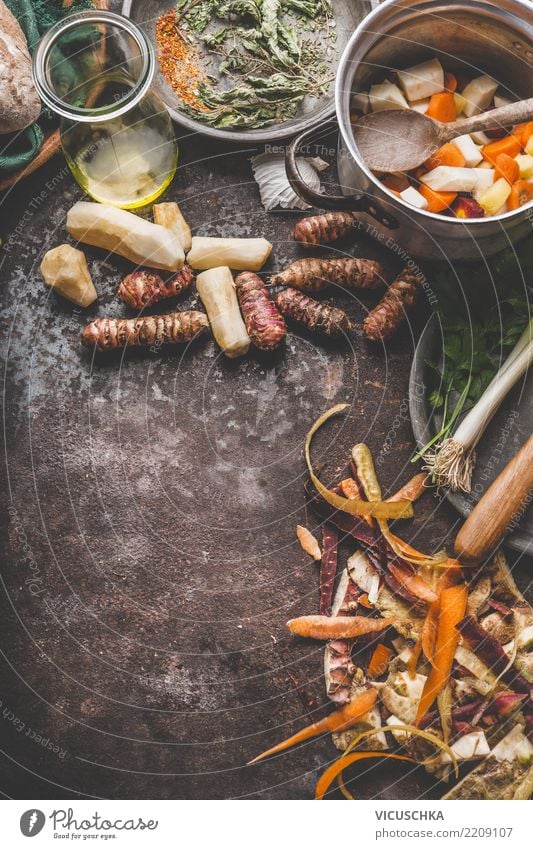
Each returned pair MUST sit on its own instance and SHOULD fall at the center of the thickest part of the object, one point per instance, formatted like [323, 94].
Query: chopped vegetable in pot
[474, 176]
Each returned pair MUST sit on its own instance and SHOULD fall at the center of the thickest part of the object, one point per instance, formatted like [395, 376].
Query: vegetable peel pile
[426, 663]
[269, 54]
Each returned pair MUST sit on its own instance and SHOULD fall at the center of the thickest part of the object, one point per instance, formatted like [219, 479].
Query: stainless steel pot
[480, 36]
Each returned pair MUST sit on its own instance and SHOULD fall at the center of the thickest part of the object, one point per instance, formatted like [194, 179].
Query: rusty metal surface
[149, 559]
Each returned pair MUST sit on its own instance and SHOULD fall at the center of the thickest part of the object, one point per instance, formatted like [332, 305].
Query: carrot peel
[379, 661]
[452, 607]
[336, 627]
[339, 720]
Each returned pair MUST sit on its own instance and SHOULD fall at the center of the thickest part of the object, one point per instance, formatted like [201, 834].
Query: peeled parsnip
[217, 291]
[126, 234]
[169, 215]
[240, 254]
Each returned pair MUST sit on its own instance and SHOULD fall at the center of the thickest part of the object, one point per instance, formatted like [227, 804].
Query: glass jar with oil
[95, 69]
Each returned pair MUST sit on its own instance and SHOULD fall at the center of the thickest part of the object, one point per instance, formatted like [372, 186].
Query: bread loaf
[19, 102]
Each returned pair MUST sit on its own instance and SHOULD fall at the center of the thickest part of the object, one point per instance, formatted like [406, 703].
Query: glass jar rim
[102, 113]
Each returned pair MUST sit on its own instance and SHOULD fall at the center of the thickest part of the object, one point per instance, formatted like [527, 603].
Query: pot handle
[351, 203]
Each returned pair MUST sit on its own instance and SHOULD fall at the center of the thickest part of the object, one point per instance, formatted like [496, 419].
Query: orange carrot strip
[413, 583]
[521, 193]
[448, 154]
[339, 720]
[379, 660]
[332, 627]
[523, 132]
[429, 629]
[507, 167]
[437, 201]
[337, 767]
[450, 81]
[442, 108]
[412, 490]
[509, 145]
[452, 608]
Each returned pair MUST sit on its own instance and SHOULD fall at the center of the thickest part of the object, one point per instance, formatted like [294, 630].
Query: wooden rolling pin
[490, 519]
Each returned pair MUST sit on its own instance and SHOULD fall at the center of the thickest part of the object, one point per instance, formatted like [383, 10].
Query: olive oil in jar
[94, 69]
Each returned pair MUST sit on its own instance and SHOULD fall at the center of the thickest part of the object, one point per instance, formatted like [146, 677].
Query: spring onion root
[452, 463]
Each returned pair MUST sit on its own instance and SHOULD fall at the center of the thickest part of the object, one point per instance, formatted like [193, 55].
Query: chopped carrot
[450, 81]
[437, 201]
[452, 608]
[523, 132]
[521, 193]
[363, 600]
[509, 145]
[448, 154]
[396, 182]
[339, 720]
[318, 627]
[507, 167]
[413, 583]
[442, 108]
[379, 660]
[412, 490]
[337, 767]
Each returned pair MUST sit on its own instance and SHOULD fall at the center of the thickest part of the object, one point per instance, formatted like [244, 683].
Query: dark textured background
[149, 557]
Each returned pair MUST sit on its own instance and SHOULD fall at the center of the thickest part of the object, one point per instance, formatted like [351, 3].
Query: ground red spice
[179, 61]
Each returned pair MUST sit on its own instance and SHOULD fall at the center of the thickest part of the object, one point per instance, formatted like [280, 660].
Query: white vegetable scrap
[274, 187]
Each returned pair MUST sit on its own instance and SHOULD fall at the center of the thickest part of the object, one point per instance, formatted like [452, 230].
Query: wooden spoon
[500, 506]
[402, 139]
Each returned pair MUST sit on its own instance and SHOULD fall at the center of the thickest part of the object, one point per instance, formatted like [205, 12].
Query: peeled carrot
[450, 81]
[448, 154]
[379, 661]
[452, 608]
[509, 145]
[339, 720]
[521, 193]
[442, 108]
[337, 767]
[336, 627]
[412, 490]
[506, 167]
[413, 583]
[523, 132]
[437, 201]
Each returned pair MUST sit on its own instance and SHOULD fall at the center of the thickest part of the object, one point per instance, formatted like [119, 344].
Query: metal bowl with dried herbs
[264, 69]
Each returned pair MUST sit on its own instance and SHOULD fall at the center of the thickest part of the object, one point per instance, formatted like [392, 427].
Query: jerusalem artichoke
[264, 323]
[384, 320]
[313, 275]
[154, 330]
[143, 288]
[323, 228]
[217, 291]
[315, 316]
[126, 234]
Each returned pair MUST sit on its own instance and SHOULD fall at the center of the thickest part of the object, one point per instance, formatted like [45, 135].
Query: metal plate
[348, 14]
[507, 432]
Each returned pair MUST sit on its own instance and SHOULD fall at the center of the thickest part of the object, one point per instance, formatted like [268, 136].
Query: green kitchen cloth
[35, 17]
